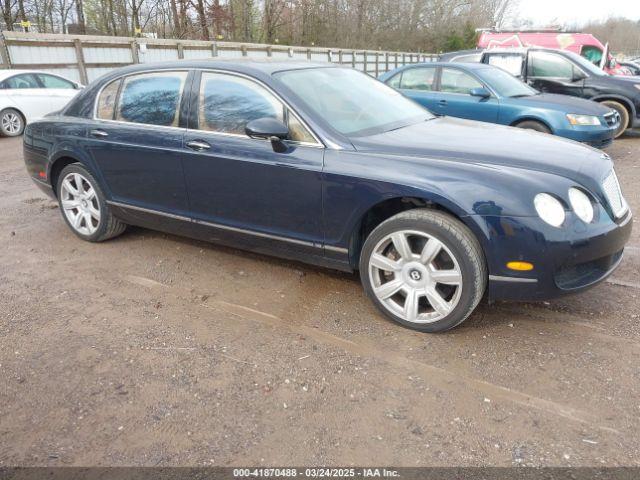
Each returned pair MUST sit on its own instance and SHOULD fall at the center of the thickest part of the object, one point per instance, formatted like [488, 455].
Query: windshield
[504, 83]
[353, 103]
[585, 64]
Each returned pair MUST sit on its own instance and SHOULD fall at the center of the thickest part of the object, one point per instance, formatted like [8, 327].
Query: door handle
[198, 145]
[98, 133]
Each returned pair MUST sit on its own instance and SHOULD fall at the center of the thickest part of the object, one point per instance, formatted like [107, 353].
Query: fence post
[364, 60]
[340, 57]
[386, 61]
[134, 52]
[377, 64]
[269, 51]
[180, 50]
[4, 53]
[353, 59]
[329, 56]
[214, 49]
[84, 79]
[243, 48]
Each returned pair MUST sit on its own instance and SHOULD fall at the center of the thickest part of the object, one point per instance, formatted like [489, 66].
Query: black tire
[108, 226]
[461, 243]
[624, 116]
[533, 125]
[12, 122]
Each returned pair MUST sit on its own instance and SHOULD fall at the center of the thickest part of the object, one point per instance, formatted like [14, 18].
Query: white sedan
[26, 95]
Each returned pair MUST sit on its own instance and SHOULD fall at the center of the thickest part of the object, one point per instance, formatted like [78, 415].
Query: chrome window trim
[216, 225]
[121, 78]
[319, 143]
[272, 92]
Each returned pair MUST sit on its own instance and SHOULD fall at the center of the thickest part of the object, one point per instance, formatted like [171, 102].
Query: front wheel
[533, 125]
[423, 269]
[624, 116]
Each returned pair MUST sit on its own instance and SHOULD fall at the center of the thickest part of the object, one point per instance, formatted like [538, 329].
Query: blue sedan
[329, 166]
[489, 94]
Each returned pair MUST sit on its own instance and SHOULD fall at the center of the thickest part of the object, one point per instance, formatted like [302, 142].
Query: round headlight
[550, 209]
[581, 204]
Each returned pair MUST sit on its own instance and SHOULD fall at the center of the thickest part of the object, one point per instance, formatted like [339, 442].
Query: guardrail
[83, 58]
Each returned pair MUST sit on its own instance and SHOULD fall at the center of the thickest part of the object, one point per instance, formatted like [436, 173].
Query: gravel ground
[158, 350]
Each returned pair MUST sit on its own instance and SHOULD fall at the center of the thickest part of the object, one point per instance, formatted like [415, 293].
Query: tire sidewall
[102, 203]
[533, 125]
[22, 122]
[468, 294]
[624, 116]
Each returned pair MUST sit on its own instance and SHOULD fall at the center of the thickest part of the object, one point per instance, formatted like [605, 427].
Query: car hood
[563, 103]
[458, 140]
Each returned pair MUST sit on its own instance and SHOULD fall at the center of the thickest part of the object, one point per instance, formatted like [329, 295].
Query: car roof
[464, 65]
[241, 65]
[10, 73]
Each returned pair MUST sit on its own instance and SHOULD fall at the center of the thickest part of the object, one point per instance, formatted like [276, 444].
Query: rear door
[136, 139]
[59, 90]
[418, 83]
[549, 72]
[455, 99]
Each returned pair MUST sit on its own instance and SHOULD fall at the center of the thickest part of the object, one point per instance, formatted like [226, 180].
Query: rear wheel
[84, 207]
[423, 269]
[11, 123]
[624, 116]
[533, 125]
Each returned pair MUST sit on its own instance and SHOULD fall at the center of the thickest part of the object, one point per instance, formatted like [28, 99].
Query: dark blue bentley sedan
[477, 91]
[327, 165]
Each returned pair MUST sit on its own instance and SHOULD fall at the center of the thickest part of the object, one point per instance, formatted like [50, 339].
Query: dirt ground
[158, 350]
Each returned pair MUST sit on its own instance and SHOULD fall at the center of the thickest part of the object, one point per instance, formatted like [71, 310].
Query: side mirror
[578, 75]
[269, 129]
[480, 92]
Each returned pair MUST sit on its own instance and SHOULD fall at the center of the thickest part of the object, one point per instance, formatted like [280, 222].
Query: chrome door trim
[217, 225]
[499, 278]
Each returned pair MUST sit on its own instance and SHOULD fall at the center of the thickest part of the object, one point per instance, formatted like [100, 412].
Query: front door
[552, 73]
[136, 139]
[241, 184]
[455, 99]
[418, 83]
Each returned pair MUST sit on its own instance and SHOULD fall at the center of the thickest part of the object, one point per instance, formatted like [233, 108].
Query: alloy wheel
[11, 123]
[415, 276]
[80, 203]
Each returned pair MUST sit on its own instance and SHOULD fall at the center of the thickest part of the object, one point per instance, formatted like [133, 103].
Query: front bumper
[566, 260]
[599, 137]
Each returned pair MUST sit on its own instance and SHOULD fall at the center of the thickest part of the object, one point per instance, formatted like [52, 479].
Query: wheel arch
[532, 118]
[628, 104]
[388, 207]
[62, 159]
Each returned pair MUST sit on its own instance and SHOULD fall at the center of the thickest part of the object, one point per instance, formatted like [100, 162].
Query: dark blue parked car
[489, 94]
[326, 165]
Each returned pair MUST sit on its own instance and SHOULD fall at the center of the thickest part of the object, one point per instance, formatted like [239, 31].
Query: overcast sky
[544, 12]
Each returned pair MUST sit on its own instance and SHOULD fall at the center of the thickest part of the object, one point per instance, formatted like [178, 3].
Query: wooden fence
[84, 58]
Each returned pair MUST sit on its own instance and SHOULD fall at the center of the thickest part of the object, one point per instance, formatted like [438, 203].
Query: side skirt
[258, 242]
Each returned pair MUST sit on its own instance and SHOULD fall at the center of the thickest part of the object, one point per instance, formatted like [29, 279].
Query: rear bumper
[567, 260]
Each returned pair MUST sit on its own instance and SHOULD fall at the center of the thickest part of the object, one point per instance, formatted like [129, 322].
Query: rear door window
[151, 98]
[507, 61]
[23, 81]
[422, 78]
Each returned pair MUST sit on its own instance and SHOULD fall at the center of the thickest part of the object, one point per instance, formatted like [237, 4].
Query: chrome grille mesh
[612, 191]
